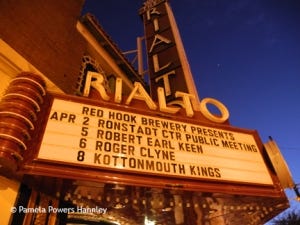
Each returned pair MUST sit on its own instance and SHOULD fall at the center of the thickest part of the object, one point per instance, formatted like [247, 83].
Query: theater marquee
[105, 138]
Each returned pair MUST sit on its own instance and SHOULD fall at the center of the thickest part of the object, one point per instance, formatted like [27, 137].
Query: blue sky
[244, 53]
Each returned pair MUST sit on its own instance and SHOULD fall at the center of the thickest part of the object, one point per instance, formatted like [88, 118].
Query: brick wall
[44, 32]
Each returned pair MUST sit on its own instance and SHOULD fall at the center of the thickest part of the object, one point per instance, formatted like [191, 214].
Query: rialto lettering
[96, 81]
[161, 71]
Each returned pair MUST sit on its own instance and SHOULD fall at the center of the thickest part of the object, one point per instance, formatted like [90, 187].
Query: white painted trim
[183, 59]
[101, 51]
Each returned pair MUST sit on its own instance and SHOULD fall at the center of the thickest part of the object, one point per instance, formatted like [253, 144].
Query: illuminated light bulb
[148, 222]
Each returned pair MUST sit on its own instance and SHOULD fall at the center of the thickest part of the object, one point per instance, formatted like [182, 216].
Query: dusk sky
[244, 53]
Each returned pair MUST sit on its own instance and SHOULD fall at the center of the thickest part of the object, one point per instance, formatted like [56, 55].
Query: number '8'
[80, 156]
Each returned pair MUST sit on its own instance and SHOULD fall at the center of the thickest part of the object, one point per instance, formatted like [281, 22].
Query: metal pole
[140, 55]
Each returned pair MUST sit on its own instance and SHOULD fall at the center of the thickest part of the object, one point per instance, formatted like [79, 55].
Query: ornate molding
[18, 114]
[147, 5]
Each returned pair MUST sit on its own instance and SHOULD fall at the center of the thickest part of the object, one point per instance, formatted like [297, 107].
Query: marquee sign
[105, 138]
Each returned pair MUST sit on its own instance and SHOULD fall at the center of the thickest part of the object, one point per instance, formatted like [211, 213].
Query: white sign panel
[113, 139]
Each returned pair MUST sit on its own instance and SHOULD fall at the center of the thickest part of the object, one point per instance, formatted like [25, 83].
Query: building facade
[85, 140]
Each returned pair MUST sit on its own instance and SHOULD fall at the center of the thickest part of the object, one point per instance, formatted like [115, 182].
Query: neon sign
[96, 80]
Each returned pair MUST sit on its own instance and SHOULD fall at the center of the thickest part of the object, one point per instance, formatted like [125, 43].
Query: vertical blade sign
[167, 62]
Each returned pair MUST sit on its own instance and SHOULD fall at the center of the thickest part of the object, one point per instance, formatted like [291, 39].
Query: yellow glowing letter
[138, 92]
[97, 84]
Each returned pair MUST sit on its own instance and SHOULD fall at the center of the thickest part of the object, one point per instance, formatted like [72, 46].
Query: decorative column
[19, 108]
